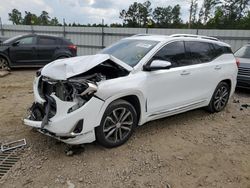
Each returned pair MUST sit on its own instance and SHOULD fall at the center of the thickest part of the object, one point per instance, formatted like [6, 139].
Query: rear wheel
[117, 125]
[220, 98]
[4, 65]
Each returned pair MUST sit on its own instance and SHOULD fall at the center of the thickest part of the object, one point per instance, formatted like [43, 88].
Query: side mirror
[158, 64]
[16, 43]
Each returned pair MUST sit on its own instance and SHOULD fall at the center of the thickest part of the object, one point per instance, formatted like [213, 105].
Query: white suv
[104, 97]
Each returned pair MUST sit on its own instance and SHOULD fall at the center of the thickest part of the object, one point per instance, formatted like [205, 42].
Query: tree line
[219, 14]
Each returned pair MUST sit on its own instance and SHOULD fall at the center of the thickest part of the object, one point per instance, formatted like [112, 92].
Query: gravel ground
[193, 149]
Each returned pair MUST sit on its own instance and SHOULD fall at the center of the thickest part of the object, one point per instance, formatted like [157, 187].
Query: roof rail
[195, 36]
[141, 34]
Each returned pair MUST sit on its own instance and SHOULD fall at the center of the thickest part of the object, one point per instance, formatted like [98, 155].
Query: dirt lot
[193, 149]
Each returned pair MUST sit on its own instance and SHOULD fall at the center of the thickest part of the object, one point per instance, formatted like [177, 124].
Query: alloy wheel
[3, 64]
[221, 98]
[118, 125]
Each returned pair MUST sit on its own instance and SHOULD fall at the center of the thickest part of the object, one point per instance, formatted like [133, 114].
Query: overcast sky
[82, 11]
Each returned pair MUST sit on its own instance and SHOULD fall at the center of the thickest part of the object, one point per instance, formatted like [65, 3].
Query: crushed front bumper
[75, 127]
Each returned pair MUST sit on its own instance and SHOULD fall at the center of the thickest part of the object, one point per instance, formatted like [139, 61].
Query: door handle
[184, 73]
[217, 67]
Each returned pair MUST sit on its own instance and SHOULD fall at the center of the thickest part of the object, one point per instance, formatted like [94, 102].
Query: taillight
[237, 62]
[72, 47]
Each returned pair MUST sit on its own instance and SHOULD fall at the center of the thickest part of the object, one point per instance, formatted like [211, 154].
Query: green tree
[137, 15]
[16, 17]
[30, 19]
[44, 18]
[218, 20]
[176, 15]
[54, 21]
[162, 16]
[206, 10]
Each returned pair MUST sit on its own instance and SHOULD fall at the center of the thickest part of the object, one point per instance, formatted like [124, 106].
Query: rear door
[203, 71]
[46, 48]
[23, 51]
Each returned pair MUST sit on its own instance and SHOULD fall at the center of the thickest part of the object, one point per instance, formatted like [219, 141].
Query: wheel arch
[6, 57]
[135, 99]
[229, 82]
[62, 54]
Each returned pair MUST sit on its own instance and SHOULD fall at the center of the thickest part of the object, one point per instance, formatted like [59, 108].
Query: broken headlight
[82, 92]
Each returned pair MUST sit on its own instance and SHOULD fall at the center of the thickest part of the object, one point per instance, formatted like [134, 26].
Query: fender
[109, 100]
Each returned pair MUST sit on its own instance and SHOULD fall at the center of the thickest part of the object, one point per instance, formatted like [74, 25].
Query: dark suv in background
[243, 56]
[34, 50]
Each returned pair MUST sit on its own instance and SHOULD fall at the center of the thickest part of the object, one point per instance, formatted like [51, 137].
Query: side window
[173, 52]
[222, 50]
[46, 41]
[199, 52]
[218, 50]
[27, 40]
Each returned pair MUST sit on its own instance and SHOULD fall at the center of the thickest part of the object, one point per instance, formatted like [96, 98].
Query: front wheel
[4, 65]
[117, 125]
[220, 98]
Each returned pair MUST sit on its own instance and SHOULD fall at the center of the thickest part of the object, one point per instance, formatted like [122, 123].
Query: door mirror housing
[16, 43]
[158, 65]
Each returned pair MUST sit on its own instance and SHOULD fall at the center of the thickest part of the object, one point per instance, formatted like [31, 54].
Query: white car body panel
[161, 93]
[62, 69]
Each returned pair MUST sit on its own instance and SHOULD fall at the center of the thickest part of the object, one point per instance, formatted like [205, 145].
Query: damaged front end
[67, 108]
[59, 100]
[75, 91]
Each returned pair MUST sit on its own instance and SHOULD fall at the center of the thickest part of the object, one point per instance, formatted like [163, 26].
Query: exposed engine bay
[81, 86]
[79, 89]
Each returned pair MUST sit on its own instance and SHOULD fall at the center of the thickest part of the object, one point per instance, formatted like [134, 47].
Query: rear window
[46, 41]
[219, 50]
[200, 52]
[243, 52]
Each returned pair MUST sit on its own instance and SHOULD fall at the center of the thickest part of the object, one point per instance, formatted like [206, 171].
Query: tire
[117, 124]
[4, 64]
[220, 98]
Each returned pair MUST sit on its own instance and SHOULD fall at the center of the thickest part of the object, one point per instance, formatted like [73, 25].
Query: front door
[23, 51]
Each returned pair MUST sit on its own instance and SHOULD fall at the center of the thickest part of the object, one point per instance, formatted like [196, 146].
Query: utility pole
[64, 33]
[103, 33]
[1, 27]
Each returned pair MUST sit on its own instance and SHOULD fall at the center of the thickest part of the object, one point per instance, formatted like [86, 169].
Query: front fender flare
[112, 98]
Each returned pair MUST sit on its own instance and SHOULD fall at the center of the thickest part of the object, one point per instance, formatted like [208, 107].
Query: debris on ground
[70, 184]
[236, 101]
[245, 105]
[13, 145]
[4, 73]
[74, 150]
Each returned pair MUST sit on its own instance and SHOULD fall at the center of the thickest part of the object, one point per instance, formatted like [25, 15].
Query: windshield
[10, 40]
[130, 51]
[243, 52]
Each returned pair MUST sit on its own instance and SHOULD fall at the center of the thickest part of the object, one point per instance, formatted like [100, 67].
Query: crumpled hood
[63, 69]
